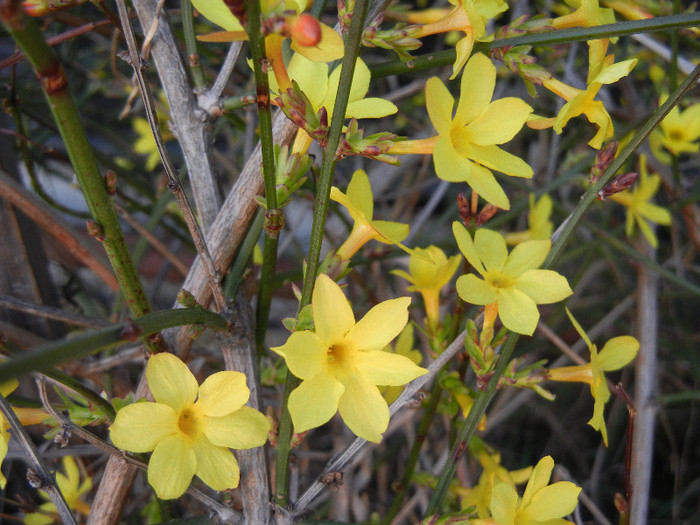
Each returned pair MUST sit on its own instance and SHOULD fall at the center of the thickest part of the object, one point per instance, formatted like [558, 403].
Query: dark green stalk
[273, 216]
[329, 159]
[235, 274]
[563, 36]
[28, 36]
[191, 44]
[44, 357]
[562, 236]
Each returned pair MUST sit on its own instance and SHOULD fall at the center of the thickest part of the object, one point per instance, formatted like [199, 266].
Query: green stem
[191, 45]
[262, 88]
[563, 235]
[329, 159]
[235, 274]
[28, 36]
[44, 357]
[563, 36]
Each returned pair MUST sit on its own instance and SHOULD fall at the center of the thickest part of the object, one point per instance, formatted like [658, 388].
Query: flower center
[339, 356]
[499, 279]
[676, 135]
[189, 422]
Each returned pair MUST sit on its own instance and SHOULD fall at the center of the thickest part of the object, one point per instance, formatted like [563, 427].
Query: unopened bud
[131, 331]
[618, 184]
[186, 299]
[486, 214]
[111, 182]
[95, 230]
[603, 159]
[304, 29]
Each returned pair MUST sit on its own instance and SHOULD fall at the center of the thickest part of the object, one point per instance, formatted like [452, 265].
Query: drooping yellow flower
[72, 489]
[541, 503]
[512, 281]
[341, 363]
[678, 132]
[328, 48]
[479, 496]
[429, 270]
[640, 209]
[617, 353]
[359, 202]
[467, 145]
[539, 224]
[190, 428]
[581, 102]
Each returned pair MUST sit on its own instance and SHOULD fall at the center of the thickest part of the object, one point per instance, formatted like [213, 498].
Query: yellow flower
[429, 270]
[581, 102]
[538, 220]
[467, 16]
[341, 363]
[404, 347]
[466, 148]
[359, 202]
[678, 132]
[190, 428]
[541, 503]
[617, 353]
[510, 281]
[479, 496]
[328, 48]
[70, 486]
[640, 209]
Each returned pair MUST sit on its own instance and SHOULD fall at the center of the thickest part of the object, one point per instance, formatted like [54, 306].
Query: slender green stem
[563, 36]
[562, 236]
[262, 88]
[53, 80]
[191, 44]
[329, 159]
[43, 358]
[235, 274]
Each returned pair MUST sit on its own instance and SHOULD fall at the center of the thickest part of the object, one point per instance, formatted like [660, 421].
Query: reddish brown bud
[95, 230]
[486, 214]
[111, 182]
[618, 184]
[131, 331]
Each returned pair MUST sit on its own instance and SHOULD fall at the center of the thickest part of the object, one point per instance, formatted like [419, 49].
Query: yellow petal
[332, 314]
[172, 467]
[504, 501]
[473, 290]
[141, 426]
[476, 90]
[538, 479]
[329, 48]
[380, 325]
[390, 232]
[491, 247]
[170, 381]
[617, 353]
[245, 428]
[359, 193]
[216, 466]
[305, 354]
[312, 78]
[363, 409]
[372, 107]
[314, 402]
[439, 103]
[497, 159]
[517, 311]
[466, 246]
[490, 127]
[554, 501]
[544, 286]
[8, 386]
[383, 368]
[527, 256]
[216, 11]
[222, 393]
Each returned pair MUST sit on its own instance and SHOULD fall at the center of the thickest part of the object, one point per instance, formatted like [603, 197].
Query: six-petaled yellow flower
[190, 428]
[541, 504]
[429, 270]
[72, 489]
[341, 363]
[617, 353]
[512, 281]
[467, 149]
[359, 201]
[640, 209]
